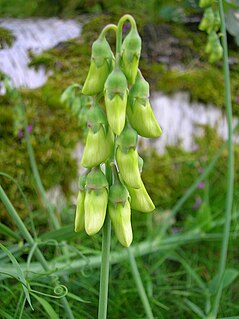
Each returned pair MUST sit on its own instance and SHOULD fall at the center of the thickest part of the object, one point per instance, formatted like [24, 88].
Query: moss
[167, 176]
[6, 37]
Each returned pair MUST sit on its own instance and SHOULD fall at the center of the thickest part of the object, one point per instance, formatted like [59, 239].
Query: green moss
[6, 38]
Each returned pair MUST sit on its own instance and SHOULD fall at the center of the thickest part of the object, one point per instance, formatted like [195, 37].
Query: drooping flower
[139, 110]
[101, 65]
[99, 141]
[120, 213]
[96, 200]
[116, 100]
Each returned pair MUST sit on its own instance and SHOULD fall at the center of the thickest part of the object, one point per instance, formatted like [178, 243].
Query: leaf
[8, 232]
[230, 275]
[195, 308]
[19, 272]
[48, 308]
[77, 298]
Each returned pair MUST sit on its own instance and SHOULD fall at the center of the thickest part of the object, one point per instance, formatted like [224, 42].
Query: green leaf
[19, 272]
[194, 308]
[230, 275]
[8, 232]
[48, 308]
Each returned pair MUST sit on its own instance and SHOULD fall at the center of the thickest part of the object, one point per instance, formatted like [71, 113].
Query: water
[36, 35]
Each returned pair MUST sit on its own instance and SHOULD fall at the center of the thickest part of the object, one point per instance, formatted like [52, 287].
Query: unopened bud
[98, 147]
[80, 211]
[207, 21]
[95, 210]
[96, 200]
[140, 199]
[139, 110]
[128, 167]
[116, 100]
[131, 49]
[205, 3]
[100, 67]
[120, 213]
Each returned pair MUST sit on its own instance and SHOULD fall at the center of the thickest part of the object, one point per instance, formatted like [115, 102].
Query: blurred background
[45, 46]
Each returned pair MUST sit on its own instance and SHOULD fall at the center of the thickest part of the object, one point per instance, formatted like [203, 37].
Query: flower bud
[96, 180]
[128, 167]
[99, 141]
[140, 199]
[100, 67]
[207, 21]
[120, 213]
[131, 49]
[139, 110]
[217, 21]
[116, 100]
[80, 211]
[216, 54]
[205, 3]
[95, 210]
[96, 200]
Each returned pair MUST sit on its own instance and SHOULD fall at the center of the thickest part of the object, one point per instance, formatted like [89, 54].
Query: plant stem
[105, 258]
[230, 172]
[139, 285]
[104, 273]
[38, 254]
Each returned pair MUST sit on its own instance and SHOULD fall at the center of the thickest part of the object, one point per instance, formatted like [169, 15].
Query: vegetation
[177, 247]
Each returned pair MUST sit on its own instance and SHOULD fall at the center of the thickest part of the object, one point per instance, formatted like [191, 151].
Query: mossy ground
[6, 38]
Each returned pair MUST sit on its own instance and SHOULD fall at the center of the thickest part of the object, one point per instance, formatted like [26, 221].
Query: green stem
[139, 285]
[38, 254]
[105, 259]
[105, 266]
[230, 173]
[106, 29]
[119, 30]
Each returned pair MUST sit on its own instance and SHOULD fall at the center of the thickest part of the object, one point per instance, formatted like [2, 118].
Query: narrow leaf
[19, 272]
[48, 308]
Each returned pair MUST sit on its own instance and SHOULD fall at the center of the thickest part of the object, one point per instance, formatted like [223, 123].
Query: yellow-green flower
[99, 141]
[96, 200]
[80, 212]
[139, 110]
[100, 67]
[95, 210]
[140, 199]
[120, 213]
[131, 49]
[80, 209]
[116, 100]
[128, 164]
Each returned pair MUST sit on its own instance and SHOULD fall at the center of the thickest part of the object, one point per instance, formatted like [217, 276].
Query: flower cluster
[211, 24]
[121, 112]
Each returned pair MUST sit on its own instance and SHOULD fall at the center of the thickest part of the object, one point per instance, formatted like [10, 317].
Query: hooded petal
[143, 120]
[128, 167]
[98, 147]
[140, 199]
[96, 78]
[80, 212]
[120, 216]
[116, 112]
[95, 210]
